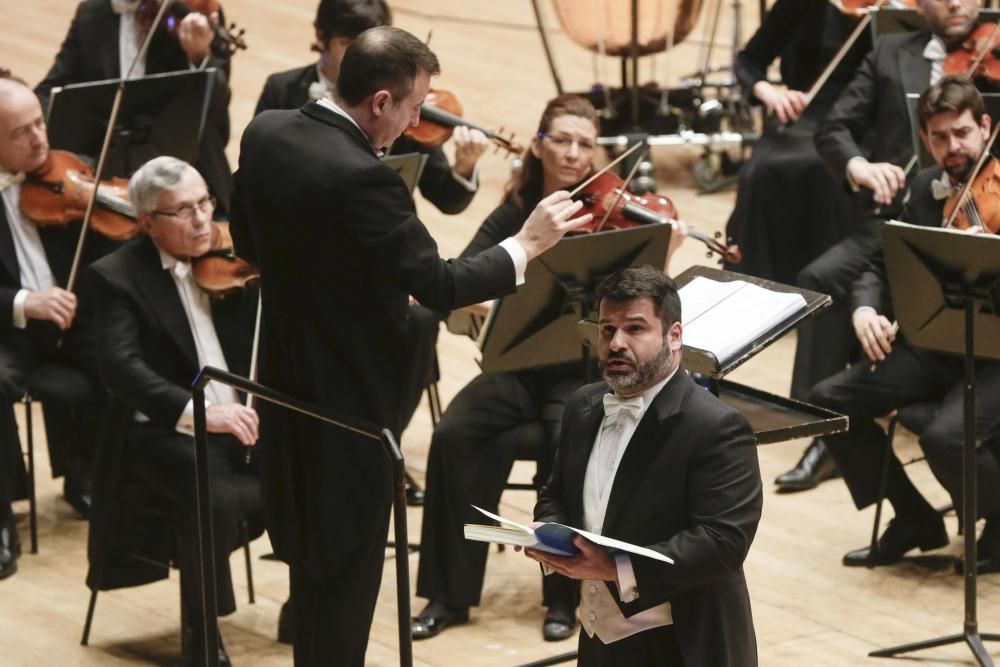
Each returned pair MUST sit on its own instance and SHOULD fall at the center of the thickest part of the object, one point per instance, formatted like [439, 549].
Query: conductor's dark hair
[383, 58]
[350, 18]
[953, 92]
[641, 282]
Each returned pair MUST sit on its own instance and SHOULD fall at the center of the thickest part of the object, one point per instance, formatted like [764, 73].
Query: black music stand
[205, 539]
[161, 114]
[957, 276]
[538, 325]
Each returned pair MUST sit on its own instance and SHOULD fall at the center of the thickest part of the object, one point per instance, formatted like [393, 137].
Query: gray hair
[152, 178]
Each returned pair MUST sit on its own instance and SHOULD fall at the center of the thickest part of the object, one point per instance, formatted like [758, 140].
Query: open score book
[555, 538]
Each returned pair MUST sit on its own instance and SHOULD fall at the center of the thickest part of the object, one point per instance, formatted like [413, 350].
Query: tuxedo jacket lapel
[652, 434]
[914, 70]
[8, 256]
[161, 293]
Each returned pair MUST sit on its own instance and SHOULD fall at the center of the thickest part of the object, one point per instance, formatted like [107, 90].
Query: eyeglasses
[564, 143]
[188, 211]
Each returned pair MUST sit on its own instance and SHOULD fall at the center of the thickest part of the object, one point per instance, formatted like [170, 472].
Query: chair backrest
[121, 523]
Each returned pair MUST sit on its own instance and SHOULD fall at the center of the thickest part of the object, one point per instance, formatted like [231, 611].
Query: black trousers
[71, 429]
[164, 461]
[333, 616]
[465, 468]
[909, 375]
[826, 341]
[656, 647]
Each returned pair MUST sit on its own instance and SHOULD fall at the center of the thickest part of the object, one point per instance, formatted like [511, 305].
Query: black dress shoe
[77, 497]
[414, 496]
[987, 551]
[286, 628]
[984, 565]
[436, 617]
[815, 466]
[898, 538]
[559, 624]
[10, 547]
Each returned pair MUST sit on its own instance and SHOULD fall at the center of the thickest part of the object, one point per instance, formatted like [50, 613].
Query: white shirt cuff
[860, 309]
[628, 590]
[20, 318]
[470, 184]
[518, 256]
[201, 65]
[185, 424]
[850, 181]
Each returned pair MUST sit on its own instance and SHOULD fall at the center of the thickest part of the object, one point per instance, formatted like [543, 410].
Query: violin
[178, 9]
[220, 272]
[978, 57]
[441, 114]
[58, 192]
[616, 208]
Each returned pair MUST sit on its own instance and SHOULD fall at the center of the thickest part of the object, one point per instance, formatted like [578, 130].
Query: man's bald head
[24, 142]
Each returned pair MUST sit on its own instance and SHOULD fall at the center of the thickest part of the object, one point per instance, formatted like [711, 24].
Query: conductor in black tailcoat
[340, 250]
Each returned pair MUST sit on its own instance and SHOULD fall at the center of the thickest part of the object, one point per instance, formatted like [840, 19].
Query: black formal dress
[688, 486]
[869, 120]
[788, 210]
[148, 359]
[90, 53]
[911, 375]
[71, 429]
[465, 465]
[340, 250]
[290, 90]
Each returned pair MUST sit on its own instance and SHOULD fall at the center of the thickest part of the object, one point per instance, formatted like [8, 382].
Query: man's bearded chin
[641, 375]
[959, 172]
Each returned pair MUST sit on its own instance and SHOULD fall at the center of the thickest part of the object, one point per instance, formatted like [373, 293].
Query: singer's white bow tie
[941, 188]
[615, 406]
[318, 90]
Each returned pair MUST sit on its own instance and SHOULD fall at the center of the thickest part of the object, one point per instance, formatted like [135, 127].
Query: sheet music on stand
[409, 166]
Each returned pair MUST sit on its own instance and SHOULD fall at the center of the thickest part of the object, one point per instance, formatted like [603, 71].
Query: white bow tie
[615, 406]
[934, 51]
[317, 91]
[182, 269]
[8, 179]
[941, 188]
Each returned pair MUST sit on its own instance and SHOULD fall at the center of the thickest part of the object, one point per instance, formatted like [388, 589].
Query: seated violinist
[157, 328]
[104, 39]
[36, 312]
[338, 22]
[465, 464]
[954, 126]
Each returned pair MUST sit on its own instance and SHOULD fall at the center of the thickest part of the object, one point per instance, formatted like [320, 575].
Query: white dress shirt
[198, 310]
[513, 248]
[129, 38]
[32, 262]
[599, 613]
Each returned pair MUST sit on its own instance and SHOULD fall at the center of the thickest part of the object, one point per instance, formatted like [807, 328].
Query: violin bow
[964, 194]
[608, 166]
[842, 52]
[621, 191]
[102, 156]
[254, 349]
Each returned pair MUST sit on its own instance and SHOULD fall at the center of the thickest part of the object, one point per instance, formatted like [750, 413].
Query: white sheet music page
[724, 317]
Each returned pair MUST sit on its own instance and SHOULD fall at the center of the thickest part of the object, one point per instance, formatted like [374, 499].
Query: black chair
[916, 418]
[50, 382]
[125, 515]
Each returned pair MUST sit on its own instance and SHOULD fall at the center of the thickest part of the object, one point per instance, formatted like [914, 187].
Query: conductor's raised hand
[550, 220]
[591, 563]
[234, 419]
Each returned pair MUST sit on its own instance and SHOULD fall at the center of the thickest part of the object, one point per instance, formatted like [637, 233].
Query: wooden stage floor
[809, 609]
